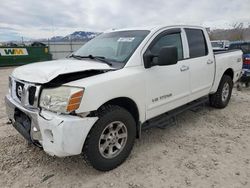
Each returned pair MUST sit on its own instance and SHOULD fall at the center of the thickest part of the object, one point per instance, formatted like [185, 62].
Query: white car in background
[220, 45]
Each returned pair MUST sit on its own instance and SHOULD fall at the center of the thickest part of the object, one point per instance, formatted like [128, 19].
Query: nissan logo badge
[19, 91]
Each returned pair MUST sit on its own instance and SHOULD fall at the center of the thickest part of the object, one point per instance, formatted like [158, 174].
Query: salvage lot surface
[207, 148]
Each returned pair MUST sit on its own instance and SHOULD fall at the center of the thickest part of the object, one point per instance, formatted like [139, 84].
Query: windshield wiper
[99, 58]
[75, 56]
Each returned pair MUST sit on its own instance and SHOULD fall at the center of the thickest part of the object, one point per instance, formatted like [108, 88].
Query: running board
[169, 118]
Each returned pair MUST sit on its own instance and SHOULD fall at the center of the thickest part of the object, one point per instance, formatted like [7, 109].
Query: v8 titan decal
[13, 51]
[161, 97]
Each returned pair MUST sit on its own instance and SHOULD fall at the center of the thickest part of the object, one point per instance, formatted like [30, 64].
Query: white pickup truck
[220, 45]
[96, 101]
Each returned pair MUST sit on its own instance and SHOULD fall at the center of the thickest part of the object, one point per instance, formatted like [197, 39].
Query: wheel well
[130, 106]
[230, 73]
[126, 103]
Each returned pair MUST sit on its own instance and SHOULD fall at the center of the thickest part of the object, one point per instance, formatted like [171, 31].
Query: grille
[32, 93]
[25, 93]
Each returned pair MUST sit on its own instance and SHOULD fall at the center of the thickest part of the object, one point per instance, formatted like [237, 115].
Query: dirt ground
[207, 148]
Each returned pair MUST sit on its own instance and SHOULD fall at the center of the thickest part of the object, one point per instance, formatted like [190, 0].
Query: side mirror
[148, 58]
[168, 56]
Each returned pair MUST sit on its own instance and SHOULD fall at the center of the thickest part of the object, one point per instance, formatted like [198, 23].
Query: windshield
[114, 46]
[217, 44]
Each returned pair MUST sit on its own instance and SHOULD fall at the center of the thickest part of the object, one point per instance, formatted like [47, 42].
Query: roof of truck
[154, 27]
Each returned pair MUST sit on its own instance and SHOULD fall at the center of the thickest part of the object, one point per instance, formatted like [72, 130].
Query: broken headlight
[62, 99]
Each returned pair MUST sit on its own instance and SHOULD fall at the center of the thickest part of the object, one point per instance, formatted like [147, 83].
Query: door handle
[184, 68]
[210, 61]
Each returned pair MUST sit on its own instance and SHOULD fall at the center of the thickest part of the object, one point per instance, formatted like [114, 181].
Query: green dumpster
[14, 56]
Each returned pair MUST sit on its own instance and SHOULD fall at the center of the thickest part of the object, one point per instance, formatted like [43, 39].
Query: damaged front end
[28, 94]
[44, 113]
[69, 77]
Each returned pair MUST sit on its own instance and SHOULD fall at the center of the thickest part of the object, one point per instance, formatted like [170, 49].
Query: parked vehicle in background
[220, 45]
[97, 101]
[245, 47]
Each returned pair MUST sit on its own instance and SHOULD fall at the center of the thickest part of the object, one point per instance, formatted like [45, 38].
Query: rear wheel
[222, 96]
[111, 139]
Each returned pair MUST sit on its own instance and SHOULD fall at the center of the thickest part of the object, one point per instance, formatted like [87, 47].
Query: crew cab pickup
[96, 101]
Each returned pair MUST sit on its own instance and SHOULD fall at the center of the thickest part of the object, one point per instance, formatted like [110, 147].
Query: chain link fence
[60, 50]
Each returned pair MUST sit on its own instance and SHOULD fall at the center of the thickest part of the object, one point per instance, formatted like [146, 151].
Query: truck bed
[223, 51]
[230, 59]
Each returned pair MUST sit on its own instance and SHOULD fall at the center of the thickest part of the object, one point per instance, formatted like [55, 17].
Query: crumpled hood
[44, 72]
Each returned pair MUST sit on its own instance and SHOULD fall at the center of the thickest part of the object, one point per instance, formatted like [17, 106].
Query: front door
[167, 86]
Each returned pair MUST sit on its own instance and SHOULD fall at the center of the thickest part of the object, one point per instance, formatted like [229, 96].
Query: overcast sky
[47, 18]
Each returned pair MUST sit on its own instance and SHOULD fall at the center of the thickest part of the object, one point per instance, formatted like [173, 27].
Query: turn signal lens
[75, 101]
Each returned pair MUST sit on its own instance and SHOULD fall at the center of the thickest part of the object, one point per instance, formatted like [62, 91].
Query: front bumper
[59, 135]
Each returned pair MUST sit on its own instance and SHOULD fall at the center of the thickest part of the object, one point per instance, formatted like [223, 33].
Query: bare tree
[237, 31]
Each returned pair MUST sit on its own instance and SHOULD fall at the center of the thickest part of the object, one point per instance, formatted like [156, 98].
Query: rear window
[196, 42]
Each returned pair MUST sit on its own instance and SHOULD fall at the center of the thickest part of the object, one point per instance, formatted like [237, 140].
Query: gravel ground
[206, 148]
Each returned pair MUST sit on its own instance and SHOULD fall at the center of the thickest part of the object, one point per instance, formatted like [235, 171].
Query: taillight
[246, 60]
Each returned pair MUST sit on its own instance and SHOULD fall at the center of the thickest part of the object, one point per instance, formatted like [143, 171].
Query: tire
[221, 98]
[104, 134]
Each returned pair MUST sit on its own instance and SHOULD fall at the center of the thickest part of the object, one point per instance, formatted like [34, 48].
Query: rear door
[167, 86]
[201, 62]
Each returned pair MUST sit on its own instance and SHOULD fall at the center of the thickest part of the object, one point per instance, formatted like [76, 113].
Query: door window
[196, 43]
[168, 40]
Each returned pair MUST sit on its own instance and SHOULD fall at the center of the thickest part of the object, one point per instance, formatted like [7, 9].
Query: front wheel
[222, 96]
[111, 139]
